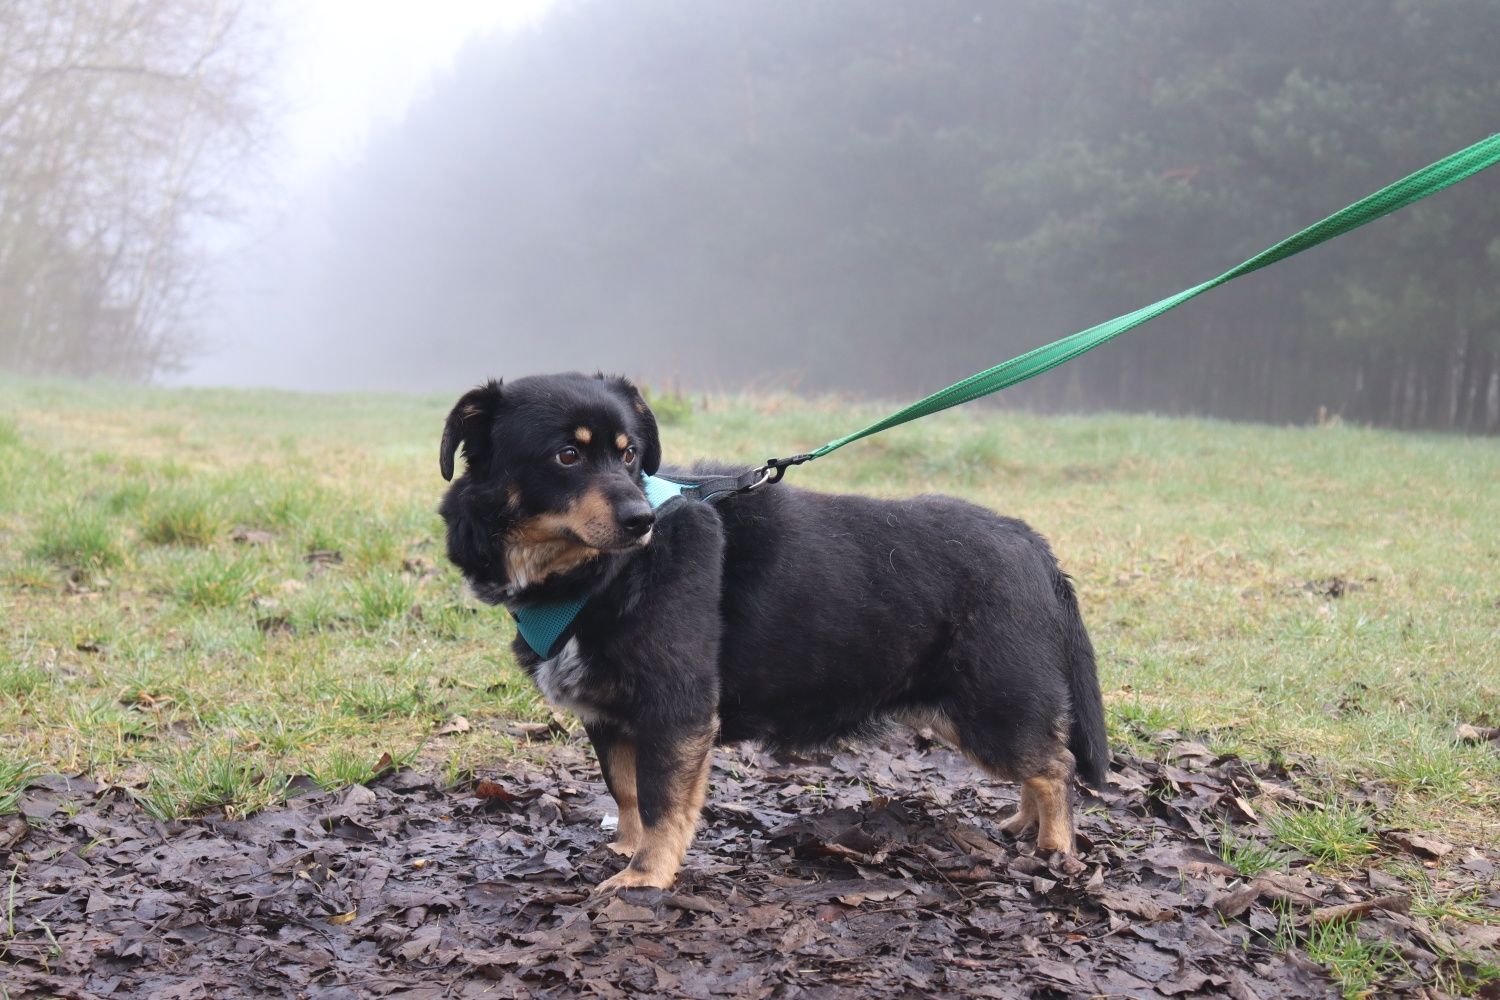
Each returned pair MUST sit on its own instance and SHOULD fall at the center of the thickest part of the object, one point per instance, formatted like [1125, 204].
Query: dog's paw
[632, 878]
[621, 848]
[1017, 824]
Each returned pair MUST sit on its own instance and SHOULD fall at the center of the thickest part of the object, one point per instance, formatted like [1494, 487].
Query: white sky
[349, 65]
[342, 70]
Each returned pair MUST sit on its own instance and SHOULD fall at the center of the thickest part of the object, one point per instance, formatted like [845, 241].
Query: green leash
[1414, 187]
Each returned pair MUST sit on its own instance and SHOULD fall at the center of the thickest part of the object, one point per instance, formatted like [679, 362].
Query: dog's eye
[569, 456]
[630, 455]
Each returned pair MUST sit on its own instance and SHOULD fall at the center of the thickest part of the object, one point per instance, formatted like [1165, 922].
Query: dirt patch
[876, 873]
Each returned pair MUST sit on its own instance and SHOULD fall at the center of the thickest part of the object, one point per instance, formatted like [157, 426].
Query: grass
[1207, 555]
[81, 539]
[1323, 595]
[216, 775]
[1246, 856]
[346, 768]
[182, 519]
[1334, 835]
[1359, 966]
[216, 580]
[13, 777]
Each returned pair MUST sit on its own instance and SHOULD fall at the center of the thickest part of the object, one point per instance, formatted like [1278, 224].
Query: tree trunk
[1492, 396]
[1456, 365]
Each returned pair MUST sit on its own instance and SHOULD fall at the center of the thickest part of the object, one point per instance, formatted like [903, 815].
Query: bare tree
[121, 123]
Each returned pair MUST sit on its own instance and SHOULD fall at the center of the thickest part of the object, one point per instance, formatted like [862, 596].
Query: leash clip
[775, 468]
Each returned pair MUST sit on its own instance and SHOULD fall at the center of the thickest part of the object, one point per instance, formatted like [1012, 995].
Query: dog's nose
[637, 522]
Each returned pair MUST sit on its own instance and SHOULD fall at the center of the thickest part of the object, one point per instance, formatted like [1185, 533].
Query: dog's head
[552, 478]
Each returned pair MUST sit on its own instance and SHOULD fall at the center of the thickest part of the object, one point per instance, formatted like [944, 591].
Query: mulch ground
[876, 873]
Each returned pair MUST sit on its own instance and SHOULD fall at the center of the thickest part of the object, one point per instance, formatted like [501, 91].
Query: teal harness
[544, 627]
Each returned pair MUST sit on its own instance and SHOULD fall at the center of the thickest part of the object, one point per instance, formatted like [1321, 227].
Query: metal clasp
[776, 467]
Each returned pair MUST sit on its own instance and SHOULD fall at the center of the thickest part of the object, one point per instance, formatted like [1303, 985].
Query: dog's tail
[1088, 739]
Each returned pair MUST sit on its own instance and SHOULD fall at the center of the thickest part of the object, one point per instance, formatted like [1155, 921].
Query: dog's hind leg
[1040, 761]
[1046, 802]
[671, 775]
[1050, 795]
[616, 754]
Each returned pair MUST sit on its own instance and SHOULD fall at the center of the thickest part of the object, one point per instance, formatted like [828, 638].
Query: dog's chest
[564, 681]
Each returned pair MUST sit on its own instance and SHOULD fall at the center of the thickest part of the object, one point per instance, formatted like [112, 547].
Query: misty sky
[346, 68]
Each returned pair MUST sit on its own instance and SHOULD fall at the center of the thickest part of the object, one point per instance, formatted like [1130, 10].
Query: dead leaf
[250, 536]
[13, 830]
[879, 892]
[617, 910]
[487, 789]
[1237, 900]
[1133, 900]
[1243, 808]
[424, 940]
[1418, 844]
[1390, 904]
[458, 724]
[1476, 734]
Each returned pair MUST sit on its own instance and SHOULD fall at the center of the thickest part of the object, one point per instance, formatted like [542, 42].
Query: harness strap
[707, 489]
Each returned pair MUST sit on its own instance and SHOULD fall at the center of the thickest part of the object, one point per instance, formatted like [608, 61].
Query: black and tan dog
[779, 615]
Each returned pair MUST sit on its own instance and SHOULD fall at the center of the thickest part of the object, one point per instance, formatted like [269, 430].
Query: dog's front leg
[671, 780]
[616, 753]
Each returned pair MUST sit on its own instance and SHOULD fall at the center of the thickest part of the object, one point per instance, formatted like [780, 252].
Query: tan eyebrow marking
[584, 435]
[621, 441]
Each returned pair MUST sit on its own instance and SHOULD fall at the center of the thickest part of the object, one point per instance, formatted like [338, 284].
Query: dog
[780, 615]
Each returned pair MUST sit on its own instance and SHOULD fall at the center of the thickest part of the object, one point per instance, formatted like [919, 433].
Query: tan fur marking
[592, 519]
[622, 786]
[663, 845]
[529, 562]
[621, 441]
[1054, 814]
[640, 406]
[583, 435]
[552, 543]
[513, 497]
[1025, 816]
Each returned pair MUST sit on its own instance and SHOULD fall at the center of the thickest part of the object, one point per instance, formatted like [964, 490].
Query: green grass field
[206, 593]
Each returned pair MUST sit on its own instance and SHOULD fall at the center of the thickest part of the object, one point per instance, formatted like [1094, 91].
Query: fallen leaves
[871, 873]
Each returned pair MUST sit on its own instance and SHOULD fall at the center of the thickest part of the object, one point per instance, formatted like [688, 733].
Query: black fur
[797, 618]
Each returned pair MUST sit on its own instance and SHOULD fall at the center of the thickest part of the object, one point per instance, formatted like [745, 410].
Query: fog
[875, 199]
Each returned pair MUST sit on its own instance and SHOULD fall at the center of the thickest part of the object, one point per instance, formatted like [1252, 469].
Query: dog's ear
[469, 424]
[645, 420]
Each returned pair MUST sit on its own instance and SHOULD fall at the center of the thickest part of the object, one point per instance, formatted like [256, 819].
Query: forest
[878, 198]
